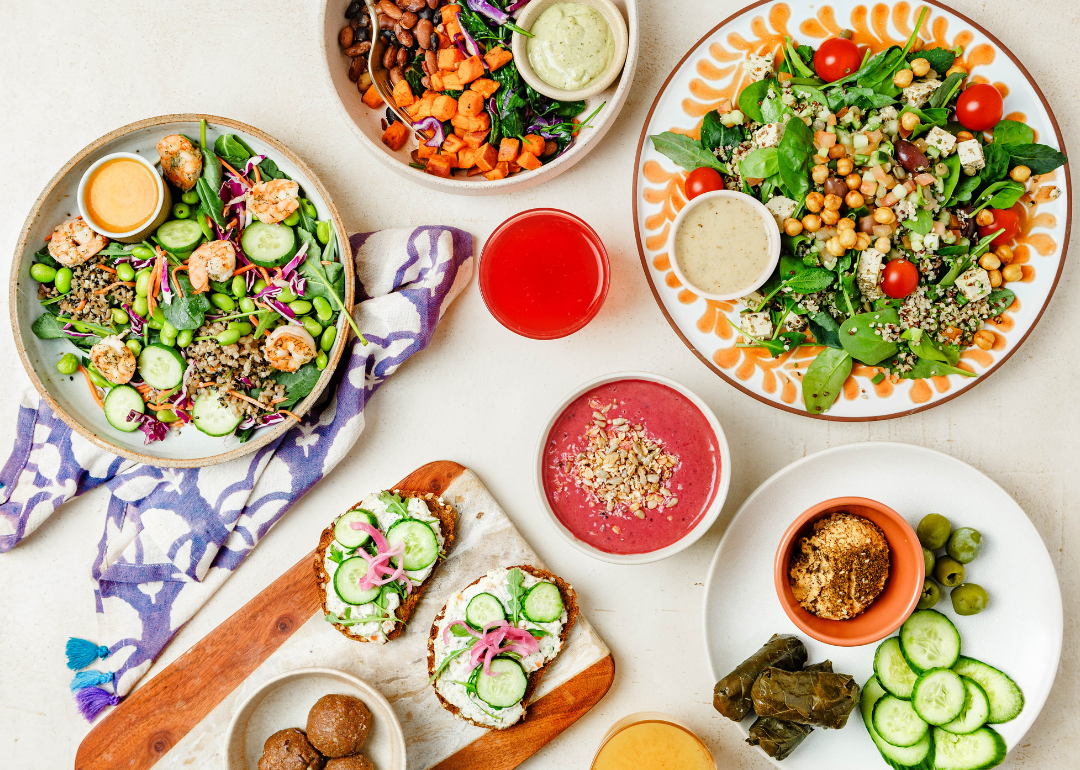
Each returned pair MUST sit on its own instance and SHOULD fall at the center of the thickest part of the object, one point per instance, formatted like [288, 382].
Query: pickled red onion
[380, 569]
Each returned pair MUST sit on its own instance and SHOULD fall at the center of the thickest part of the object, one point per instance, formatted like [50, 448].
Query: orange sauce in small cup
[653, 745]
[121, 195]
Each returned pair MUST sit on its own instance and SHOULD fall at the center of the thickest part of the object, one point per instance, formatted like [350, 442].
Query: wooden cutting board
[156, 716]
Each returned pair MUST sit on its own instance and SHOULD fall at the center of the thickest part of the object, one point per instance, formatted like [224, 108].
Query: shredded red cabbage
[137, 320]
[497, 15]
[284, 311]
[513, 9]
[152, 428]
[435, 127]
[296, 260]
[69, 331]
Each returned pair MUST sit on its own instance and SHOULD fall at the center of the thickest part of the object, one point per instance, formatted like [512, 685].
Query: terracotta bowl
[902, 590]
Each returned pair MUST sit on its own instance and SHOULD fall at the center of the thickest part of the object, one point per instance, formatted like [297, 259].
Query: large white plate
[1020, 632]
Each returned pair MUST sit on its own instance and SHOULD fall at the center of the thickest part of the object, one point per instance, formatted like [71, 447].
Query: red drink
[544, 274]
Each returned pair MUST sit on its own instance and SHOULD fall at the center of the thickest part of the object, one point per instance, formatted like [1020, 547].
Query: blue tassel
[85, 679]
[81, 653]
[93, 700]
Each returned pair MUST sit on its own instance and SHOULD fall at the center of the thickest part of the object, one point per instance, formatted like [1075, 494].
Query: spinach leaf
[751, 97]
[270, 170]
[824, 379]
[233, 149]
[715, 134]
[953, 164]
[825, 329]
[809, 281]
[925, 368]
[965, 189]
[1000, 300]
[684, 151]
[188, 312]
[210, 202]
[773, 109]
[947, 90]
[858, 96]
[862, 341]
[958, 266]
[941, 59]
[1013, 132]
[1038, 157]
[211, 163]
[298, 384]
[922, 224]
[795, 61]
[997, 163]
[760, 163]
[925, 347]
[779, 345]
[1007, 196]
[793, 158]
[46, 327]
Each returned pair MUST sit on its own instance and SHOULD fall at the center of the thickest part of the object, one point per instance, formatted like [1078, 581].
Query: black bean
[363, 34]
[391, 118]
[352, 10]
[426, 13]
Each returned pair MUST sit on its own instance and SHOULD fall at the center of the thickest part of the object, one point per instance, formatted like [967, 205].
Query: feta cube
[942, 140]
[974, 284]
[757, 325]
[758, 67]
[768, 135]
[888, 113]
[971, 156]
[793, 322]
[931, 241]
[919, 93]
[781, 208]
[868, 273]
[904, 210]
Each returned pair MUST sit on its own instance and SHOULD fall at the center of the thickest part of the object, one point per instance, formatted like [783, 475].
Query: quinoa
[225, 366]
[85, 280]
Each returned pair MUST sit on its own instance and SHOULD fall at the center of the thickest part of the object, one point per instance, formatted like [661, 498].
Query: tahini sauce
[722, 246]
[653, 746]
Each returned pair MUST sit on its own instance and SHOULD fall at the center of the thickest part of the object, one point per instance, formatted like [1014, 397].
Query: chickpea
[792, 226]
[984, 218]
[956, 68]
[854, 199]
[989, 262]
[883, 244]
[995, 278]
[845, 166]
[963, 136]
[902, 79]
[834, 247]
[833, 202]
[837, 151]
[819, 174]
[884, 215]
[1020, 174]
[814, 201]
[853, 181]
[909, 120]
[847, 238]
[920, 67]
[812, 223]
[845, 224]
[863, 242]
[830, 217]
[1012, 273]
[984, 339]
[1004, 254]
[918, 45]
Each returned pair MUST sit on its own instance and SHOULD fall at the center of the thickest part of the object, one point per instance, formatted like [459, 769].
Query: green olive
[142, 282]
[259, 285]
[241, 326]
[223, 301]
[247, 304]
[322, 231]
[928, 559]
[321, 360]
[140, 306]
[934, 531]
[134, 346]
[300, 306]
[119, 317]
[42, 273]
[190, 197]
[181, 211]
[167, 415]
[969, 599]
[229, 337]
[965, 544]
[183, 338]
[323, 308]
[931, 595]
[239, 286]
[293, 219]
[62, 280]
[949, 572]
[287, 295]
[314, 328]
[328, 337]
[68, 364]
[125, 272]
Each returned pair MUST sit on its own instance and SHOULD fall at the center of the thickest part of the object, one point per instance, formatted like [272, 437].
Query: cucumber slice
[269, 245]
[917, 757]
[214, 415]
[484, 609]
[161, 366]
[897, 723]
[421, 545]
[975, 713]
[119, 403]
[179, 235]
[347, 582]
[506, 685]
[980, 749]
[543, 603]
[1006, 699]
[892, 669]
[938, 696]
[354, 538]
[929, 640]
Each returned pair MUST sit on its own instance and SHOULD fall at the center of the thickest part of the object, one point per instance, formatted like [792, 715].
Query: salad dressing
[722, 246]
[653, 745]
[571, 46]
[121, 195]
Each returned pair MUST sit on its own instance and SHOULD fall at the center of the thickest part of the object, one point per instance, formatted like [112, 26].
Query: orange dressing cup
[651, 740]
[141, 222]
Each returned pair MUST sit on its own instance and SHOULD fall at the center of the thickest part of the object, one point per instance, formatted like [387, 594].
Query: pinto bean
[404, 36]
[424, 30]
[409, 19]
[345, 37]
[425, 81]
[403, 56]
[389, 58]
[415, 6]
[358, 49]
[433, 4]
[396, 75]
[431, 61]
[356, 67]
[385, 22]
[390, 9]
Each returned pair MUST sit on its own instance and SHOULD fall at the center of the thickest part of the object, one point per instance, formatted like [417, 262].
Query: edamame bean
[62, 280]
[167, 415]
[309, 208]
[322, 231]
[321, 360]
[293, 219]
[142, 282]
[119, 317]
[223, 301]
[239, 286]
[140, 306]
[143, 252]
[68, 364]
[241, 326]
[260, 284]
[168, 334]
[300, 306]
[134, 346]
[82, 328]
[125, 272]
[183, 338]
[97, 378]
[181, 211]
[190, 197]
[287, 295]
[323, 309]
[229, 337]
[157, 319]
[313, 327]
[328, 337]
[42, 273]
[247, 304]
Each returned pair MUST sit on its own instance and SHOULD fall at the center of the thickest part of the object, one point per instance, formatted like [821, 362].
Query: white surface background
[72, 71]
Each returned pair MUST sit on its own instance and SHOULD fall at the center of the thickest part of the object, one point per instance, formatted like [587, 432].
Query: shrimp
[289, 347]
[213, 261]
[73, 243]
[273, 201]
[181, 163]
[114, 360]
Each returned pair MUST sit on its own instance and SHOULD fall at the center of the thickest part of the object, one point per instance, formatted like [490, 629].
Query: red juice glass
[544, 274]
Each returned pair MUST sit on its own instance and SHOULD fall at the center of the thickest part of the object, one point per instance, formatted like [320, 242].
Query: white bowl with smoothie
[632, 468]
[724, 245]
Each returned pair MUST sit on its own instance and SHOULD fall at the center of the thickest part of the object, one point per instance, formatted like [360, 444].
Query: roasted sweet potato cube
[528, 161]
[454, 144]
[470, 104]
[508, 150]
[475, 170]
[487, 157]
[461, 132]
[533, 143]
[439, 166]
[437, 83]
[481, 122]
[497, 57]
[466, 157]
[452, 82]
[450, 12]
[452, 27]
[450, 58]
[501, 171]
[451, 158]
[486, 87]
[371, 97]
[427, 152]
[403, 94]
[514, 168]
[470, 69]
[444, 108]
[474, 139]
[395, 135]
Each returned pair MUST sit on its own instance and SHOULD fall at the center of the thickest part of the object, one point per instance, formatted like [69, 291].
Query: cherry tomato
[980, 107]
[1003, 218]
[900, 279]
[703, 180]
[836, 58]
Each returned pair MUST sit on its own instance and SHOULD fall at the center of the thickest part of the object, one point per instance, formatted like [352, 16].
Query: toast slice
[447, 517]
[570, 604]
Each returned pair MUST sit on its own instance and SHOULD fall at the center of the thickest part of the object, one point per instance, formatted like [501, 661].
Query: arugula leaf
[824, 379]
[685, 152]
[394, 503]
[190, 311]
[778, 345]
[863, 342]
[1013, 132]
[1038, 157]
[760, 163]
[514, 579]
[751, 97]
[923, 346]
[793, 158]
[297, 384]
[941, 59]
[953, 164]
[445, 664]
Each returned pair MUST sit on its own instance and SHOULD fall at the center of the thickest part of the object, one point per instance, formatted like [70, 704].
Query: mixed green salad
[895, 183]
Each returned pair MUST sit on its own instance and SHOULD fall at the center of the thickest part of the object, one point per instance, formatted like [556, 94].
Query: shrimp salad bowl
[213, 334]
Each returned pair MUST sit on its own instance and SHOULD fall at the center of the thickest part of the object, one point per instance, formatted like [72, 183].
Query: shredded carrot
[92, 386]
[286, 411]
[106, 268]
[143, 388]
[206, 384]
[258, 176]
[277, 273]
[158, 407]
[178, 288]
[48, 237]
[254, 321]
[112, 286]
[264, 274]
[244, 269]
[81, 306]
[324, 262]
[243, 178]
[249, 399]
[230, 224]
[278, 400]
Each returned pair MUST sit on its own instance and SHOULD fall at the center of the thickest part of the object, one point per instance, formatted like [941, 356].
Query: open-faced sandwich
[374, 561]
[494, 640]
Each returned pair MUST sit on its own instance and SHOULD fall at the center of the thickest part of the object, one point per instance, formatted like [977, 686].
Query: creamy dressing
[571, 46]
[121, 195]
[722, 246]
[653, 746]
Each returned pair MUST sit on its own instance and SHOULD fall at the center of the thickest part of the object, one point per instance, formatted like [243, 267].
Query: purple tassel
[93, 700]
[85, 679]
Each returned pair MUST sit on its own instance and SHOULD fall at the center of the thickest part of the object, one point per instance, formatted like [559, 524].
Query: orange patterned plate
[713, 73]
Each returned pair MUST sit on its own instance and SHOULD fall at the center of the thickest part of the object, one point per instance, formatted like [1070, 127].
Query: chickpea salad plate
[217, 319]
[906, 189]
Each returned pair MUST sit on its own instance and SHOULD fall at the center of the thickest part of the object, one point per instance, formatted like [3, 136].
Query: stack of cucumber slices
[929, 707]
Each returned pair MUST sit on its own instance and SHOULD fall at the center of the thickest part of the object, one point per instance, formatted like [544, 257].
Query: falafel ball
[290, 750]
[355, 762]
[338, 725]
